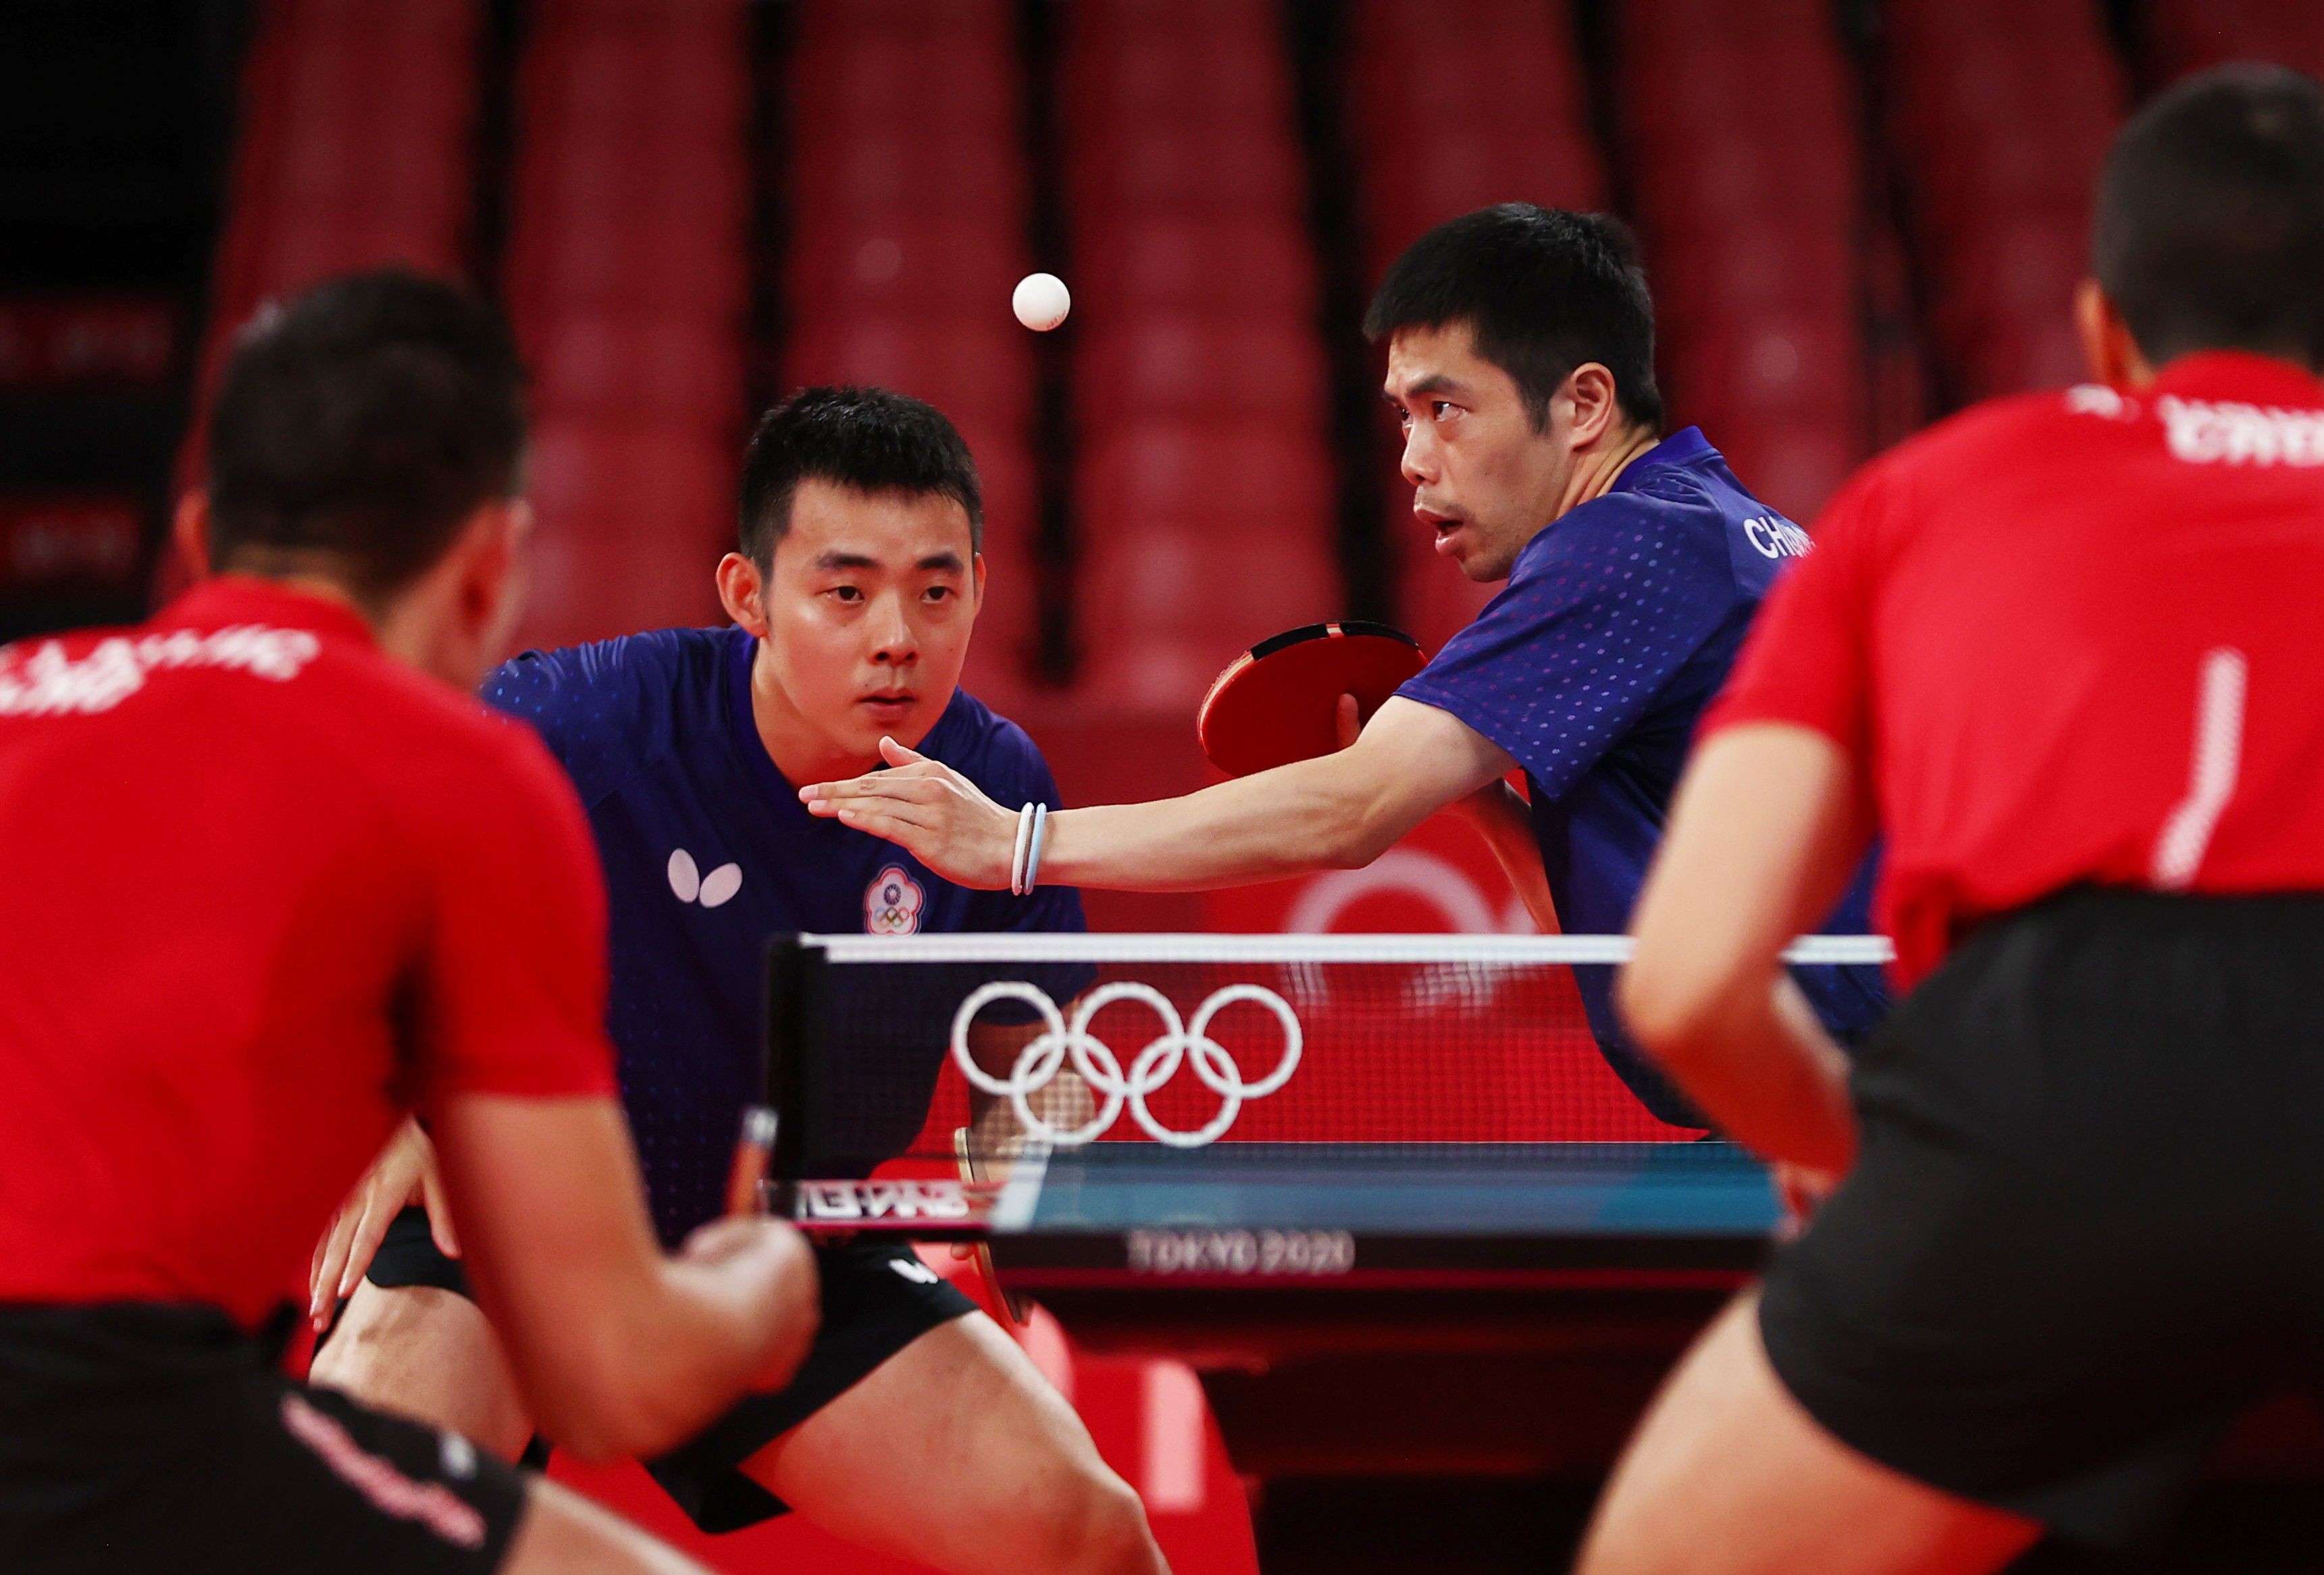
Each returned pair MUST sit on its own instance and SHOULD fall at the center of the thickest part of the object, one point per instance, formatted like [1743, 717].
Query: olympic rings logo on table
[1039, 1063]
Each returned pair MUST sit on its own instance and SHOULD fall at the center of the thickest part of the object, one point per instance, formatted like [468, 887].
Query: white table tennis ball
[1041, 301]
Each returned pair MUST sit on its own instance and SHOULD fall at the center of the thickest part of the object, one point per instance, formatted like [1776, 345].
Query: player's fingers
[439, 1214]
[369, 1232]
[328, 1267]
[1347, 723]
[896, 754]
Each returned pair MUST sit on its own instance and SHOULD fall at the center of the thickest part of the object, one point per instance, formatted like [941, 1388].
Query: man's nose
[1419, 464]
[892, 636]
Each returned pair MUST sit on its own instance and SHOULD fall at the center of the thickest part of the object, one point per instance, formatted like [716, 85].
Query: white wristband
[1024, 845]
[1033, 850]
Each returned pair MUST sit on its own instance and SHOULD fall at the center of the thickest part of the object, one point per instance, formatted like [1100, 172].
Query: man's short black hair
[2211, 217]
[866, 438]
[1544, 291]
[361, 424]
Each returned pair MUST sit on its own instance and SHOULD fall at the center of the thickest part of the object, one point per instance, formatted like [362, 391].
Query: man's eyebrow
[1435, 382]
[845, 560]
[946, 562]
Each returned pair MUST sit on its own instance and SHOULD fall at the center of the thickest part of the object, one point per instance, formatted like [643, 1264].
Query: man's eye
[1402, 417]
[1437, 410]
[939, 593]
[847, 592]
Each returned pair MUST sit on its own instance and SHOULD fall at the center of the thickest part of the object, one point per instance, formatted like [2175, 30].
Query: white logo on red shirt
[49, 683]
[712, 891]
[2202, 432]
[893, 902]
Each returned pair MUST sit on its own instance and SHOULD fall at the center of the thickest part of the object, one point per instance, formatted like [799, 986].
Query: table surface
[1317, 1212]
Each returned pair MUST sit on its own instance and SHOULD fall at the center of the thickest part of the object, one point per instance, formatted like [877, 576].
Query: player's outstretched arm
[1764, 834]
[619, 1349]
[1337, 811]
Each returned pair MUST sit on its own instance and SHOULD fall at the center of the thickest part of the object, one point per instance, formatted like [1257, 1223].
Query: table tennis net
[883, 1047]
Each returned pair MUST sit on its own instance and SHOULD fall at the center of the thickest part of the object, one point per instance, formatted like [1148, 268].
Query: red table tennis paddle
[1278, 702]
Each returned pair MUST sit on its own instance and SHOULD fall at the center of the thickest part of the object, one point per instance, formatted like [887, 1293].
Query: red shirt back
[264, 889]
[2073, 637]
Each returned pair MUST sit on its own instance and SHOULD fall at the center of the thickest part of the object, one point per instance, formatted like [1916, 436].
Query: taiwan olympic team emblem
[1156, 1065]
[893, 903]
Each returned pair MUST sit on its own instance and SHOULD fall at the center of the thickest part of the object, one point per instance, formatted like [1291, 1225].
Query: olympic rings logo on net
[1180, 1042]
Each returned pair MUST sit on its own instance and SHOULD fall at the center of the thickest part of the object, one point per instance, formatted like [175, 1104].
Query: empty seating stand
[626, 277]
[1452, 106]
[1741, 126]
[1204, 490]
[2000, 115]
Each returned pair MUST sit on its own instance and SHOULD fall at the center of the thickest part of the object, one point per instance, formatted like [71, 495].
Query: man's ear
[493, 582]
[742, 591]
[2112, 356]
[976, 564]
[1588, 393]
[190, 530]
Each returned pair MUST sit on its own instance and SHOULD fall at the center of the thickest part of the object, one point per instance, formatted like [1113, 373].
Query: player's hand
[405, 1173]
[771, 1262]
[930, 811]
[1802, 1189]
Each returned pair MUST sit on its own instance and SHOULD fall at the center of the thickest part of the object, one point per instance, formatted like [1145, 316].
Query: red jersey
[2072, 637]
[262, 890]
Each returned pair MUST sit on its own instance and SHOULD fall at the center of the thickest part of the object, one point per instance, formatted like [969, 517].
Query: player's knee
[1097, 1527]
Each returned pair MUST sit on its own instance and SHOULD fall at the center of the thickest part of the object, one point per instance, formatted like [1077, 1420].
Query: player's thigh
[564, 1533]
[957, 1452]
[1728, 1473]
[431, 1354]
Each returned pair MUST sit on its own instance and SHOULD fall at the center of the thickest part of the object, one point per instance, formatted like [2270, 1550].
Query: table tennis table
[1394, 1307]
[1382, 1192]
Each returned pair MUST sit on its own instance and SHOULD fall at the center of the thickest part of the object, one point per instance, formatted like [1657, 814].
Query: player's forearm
[1762, 1067]
[1311, 816]
[668, 1349]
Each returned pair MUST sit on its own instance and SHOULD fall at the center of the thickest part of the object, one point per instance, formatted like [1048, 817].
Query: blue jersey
[1617, 626]
[707, 854]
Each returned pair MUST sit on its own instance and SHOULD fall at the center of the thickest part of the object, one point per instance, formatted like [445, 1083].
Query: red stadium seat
[1802, 369]
[1186, 168]
[962, 177]
[632, 521]
[1759, 268]
[614, 79]
[1257, 263]
[1794, 467]
[596, 267]
[969, 88]
[1267, 368]
[1735, 178]
[1236, 481]
[1179, 76]
[978, 370]
[892, 265]
[677, 371]
[946, 22]
[1162, 610]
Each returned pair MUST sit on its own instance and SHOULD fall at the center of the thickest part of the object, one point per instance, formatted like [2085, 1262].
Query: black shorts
[140, 1437]
[878, 1298]
[2087, 1226]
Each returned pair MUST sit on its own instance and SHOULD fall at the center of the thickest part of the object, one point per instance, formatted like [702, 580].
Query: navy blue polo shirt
[1617, 626]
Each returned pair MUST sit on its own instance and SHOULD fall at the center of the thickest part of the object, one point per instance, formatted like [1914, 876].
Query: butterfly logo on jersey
[893, 903]
[712, 891]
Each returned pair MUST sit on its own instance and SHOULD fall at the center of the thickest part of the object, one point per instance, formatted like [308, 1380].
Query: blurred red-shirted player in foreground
[2065, 652]
[273, 879]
